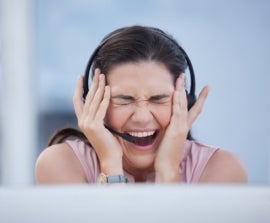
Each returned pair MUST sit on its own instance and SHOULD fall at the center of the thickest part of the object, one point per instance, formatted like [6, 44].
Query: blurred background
[45, 45]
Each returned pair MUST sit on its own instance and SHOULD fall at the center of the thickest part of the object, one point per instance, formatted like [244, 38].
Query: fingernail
[97, 71]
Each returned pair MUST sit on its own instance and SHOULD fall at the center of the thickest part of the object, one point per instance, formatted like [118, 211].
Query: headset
[191, 95]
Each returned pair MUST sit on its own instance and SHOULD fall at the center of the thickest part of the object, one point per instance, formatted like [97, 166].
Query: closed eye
[127, 99]
[122, 99]
[160, 99]
[121, 102]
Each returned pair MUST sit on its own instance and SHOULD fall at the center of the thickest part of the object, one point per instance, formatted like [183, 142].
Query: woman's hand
[90, 117]
[171, 148]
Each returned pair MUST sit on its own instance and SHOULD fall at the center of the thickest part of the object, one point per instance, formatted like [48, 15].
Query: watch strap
[117, 179]
[103, 179]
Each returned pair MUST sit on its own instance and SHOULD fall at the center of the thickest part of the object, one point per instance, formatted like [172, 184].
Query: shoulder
[59, 164]
[224, 167]
[195, 158]
[199, 150]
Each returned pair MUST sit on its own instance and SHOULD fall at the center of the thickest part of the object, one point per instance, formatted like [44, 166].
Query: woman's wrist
[168, 177]
[112, 167]
[168, 174]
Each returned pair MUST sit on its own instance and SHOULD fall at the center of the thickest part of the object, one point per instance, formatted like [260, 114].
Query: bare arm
[59, 165]
[224, 167]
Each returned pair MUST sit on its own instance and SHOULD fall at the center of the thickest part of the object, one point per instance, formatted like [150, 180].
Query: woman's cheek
[164, 116]
[115, 117]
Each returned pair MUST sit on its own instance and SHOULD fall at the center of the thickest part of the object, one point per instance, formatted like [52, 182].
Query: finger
[179, 101]
[183, 94]
[104, 104]
[77, 97]
[180, 82]
[198, 106]
[180, 98]
[98, 97]
[94, 86]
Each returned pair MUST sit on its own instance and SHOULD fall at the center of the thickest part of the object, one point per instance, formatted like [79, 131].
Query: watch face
[102, 178]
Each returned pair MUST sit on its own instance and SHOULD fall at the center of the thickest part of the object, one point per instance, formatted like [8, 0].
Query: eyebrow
[122, 96]
[159, 96]
[153, 97]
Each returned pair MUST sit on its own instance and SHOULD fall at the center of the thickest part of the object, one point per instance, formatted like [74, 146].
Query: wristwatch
[104, 179]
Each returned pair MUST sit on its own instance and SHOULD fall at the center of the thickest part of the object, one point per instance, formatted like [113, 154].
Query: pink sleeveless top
[195, 158]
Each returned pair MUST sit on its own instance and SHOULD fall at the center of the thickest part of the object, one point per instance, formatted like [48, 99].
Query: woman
[136, 120]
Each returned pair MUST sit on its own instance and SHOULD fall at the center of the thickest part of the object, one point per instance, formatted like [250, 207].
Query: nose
[142, 113]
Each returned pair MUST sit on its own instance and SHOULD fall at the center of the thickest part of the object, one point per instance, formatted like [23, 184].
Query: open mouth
[143, 138]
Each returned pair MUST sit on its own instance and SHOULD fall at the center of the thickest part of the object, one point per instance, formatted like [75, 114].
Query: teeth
[141, 134]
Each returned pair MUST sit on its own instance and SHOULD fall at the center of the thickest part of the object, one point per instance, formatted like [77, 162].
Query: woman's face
[141, 105]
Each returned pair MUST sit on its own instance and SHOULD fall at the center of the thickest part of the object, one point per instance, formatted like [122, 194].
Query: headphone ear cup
[191, 100]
